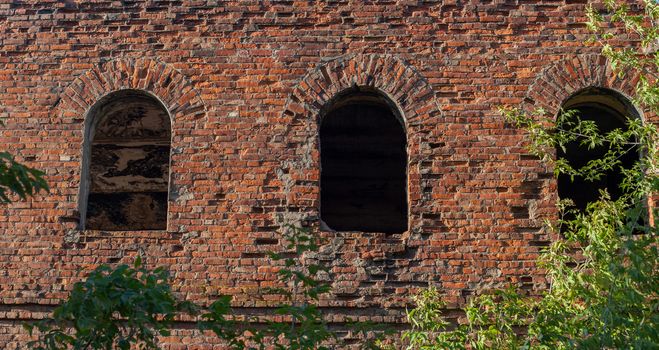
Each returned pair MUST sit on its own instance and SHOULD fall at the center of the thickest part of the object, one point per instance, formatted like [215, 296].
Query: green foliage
[113, 309]
[644, 59]
[219, 319]
[603, 295]
[306, 329]
[131, 306]
[494, 321]
[429, 329]
[547, 134]
[18, 179]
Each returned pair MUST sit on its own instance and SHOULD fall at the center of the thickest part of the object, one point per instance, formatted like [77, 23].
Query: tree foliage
[18, 179]
[642, 25]
[306, 330]
[124, 307]
[112, 309]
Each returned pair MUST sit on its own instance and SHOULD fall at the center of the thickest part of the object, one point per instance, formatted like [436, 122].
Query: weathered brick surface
[245, 83]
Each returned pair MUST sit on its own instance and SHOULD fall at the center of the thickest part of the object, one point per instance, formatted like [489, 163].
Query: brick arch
[391, 76]
[560, 80]
[388, 74]
[156, 79]
[161, 80]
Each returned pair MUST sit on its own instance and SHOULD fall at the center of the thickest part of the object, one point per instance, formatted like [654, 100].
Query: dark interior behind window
[363, 166]
[607, 118]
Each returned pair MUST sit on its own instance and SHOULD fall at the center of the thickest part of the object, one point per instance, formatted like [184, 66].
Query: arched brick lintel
[158, 79]
[388, 74]
[561, 79]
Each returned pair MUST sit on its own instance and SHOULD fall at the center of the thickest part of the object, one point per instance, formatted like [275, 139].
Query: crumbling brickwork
[244, 85]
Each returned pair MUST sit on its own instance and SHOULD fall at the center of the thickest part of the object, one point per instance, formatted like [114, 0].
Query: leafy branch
[18, 179]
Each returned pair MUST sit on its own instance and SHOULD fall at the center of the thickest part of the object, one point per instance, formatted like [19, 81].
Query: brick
[245, 86]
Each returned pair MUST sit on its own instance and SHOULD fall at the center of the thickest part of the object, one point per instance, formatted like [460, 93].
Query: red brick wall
[244, 83]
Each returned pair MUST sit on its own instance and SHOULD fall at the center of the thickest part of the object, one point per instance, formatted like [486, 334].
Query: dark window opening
[129, 164]
[363, 166]
[609, 111]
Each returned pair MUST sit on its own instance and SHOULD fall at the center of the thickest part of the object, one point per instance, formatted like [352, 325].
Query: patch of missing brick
[490, 279]
[182, 195]
[334, 245]
[285, 177]
[188, 236]
[306, 161]
[289, 221]
[72, 237]
[533, 211]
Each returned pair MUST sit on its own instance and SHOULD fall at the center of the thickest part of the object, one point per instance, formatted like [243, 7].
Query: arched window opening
[609, 110]
[363, 165]
[127, 151]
